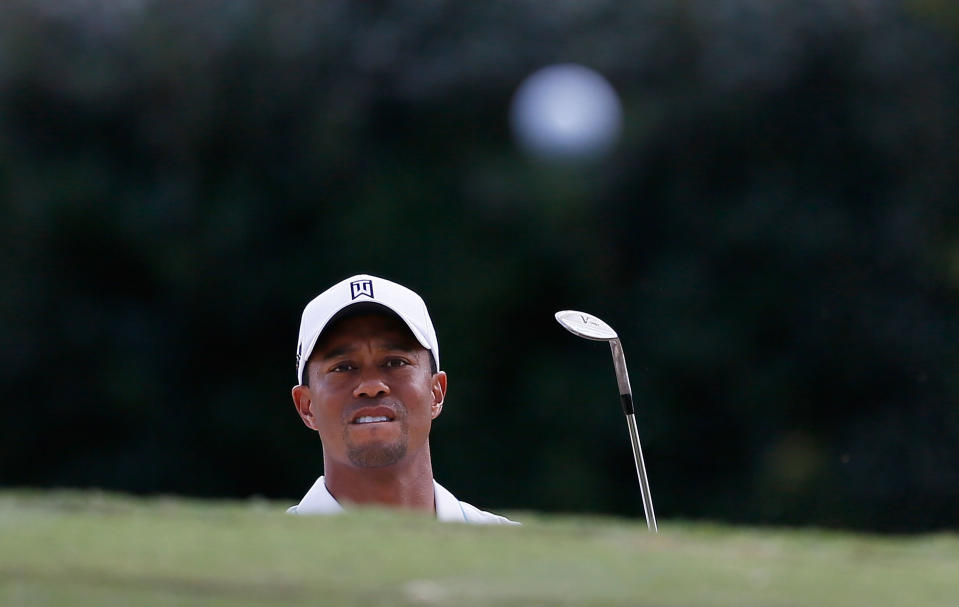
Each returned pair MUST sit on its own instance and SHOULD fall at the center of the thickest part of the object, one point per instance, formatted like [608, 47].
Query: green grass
[79, 548]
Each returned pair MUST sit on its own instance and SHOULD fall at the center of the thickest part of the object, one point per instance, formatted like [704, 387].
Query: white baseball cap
[363, 289]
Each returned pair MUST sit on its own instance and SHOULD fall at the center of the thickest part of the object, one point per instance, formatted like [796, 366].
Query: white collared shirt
[319, 500]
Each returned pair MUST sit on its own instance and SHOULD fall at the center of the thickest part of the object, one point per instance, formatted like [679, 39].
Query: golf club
[588, 326]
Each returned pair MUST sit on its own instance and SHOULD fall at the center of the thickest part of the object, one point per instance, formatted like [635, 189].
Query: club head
[585, 325]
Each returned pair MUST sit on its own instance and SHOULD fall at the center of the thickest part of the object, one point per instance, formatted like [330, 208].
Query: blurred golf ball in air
[566, 112]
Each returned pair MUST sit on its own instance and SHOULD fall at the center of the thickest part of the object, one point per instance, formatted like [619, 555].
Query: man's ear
[302, 401]
[439, 392]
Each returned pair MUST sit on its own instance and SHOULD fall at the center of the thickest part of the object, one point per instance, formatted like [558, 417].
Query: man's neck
[406, 485]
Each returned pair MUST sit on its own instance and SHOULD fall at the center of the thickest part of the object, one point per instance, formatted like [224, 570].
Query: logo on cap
[362, 287]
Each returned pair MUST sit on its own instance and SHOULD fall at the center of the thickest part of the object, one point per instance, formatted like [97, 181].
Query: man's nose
[371, 385]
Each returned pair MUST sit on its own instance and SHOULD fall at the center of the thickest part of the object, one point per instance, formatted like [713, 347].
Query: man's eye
[340, 368]
[395, 363]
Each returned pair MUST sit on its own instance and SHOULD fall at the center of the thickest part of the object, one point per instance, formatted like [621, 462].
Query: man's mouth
[373, 415]
[371, 419]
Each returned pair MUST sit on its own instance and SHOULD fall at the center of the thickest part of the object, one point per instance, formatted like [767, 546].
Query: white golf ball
[566, 112]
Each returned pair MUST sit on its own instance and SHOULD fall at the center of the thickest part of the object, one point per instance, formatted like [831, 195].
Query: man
[370, 385]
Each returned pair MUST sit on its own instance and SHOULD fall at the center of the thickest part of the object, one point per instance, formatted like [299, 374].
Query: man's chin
[376, 456]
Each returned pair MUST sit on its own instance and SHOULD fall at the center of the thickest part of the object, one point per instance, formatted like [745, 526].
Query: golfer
[369, 384]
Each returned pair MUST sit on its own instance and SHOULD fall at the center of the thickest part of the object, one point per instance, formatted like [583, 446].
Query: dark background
[775, 238]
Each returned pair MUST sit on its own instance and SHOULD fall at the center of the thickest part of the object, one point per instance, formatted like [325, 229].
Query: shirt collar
[448, 508]
[318, 500]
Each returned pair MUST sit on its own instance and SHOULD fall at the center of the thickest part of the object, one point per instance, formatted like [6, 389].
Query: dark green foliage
[775, 239]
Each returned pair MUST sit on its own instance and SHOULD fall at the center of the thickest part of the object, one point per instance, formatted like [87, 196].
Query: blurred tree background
[775, 238]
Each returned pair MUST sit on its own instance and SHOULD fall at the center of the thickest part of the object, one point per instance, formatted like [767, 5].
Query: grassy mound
[82, 548]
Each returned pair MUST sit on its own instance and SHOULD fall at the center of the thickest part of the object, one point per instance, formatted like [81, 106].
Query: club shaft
[641, 473]
[626, 395]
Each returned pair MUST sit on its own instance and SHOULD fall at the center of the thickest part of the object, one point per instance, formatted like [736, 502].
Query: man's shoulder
[449, 508]
[474, 515]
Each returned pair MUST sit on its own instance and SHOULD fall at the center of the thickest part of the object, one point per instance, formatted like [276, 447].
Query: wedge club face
[585, 325]
[588, 326]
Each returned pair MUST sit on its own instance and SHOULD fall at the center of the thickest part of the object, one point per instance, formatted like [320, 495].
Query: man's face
[371, 396]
